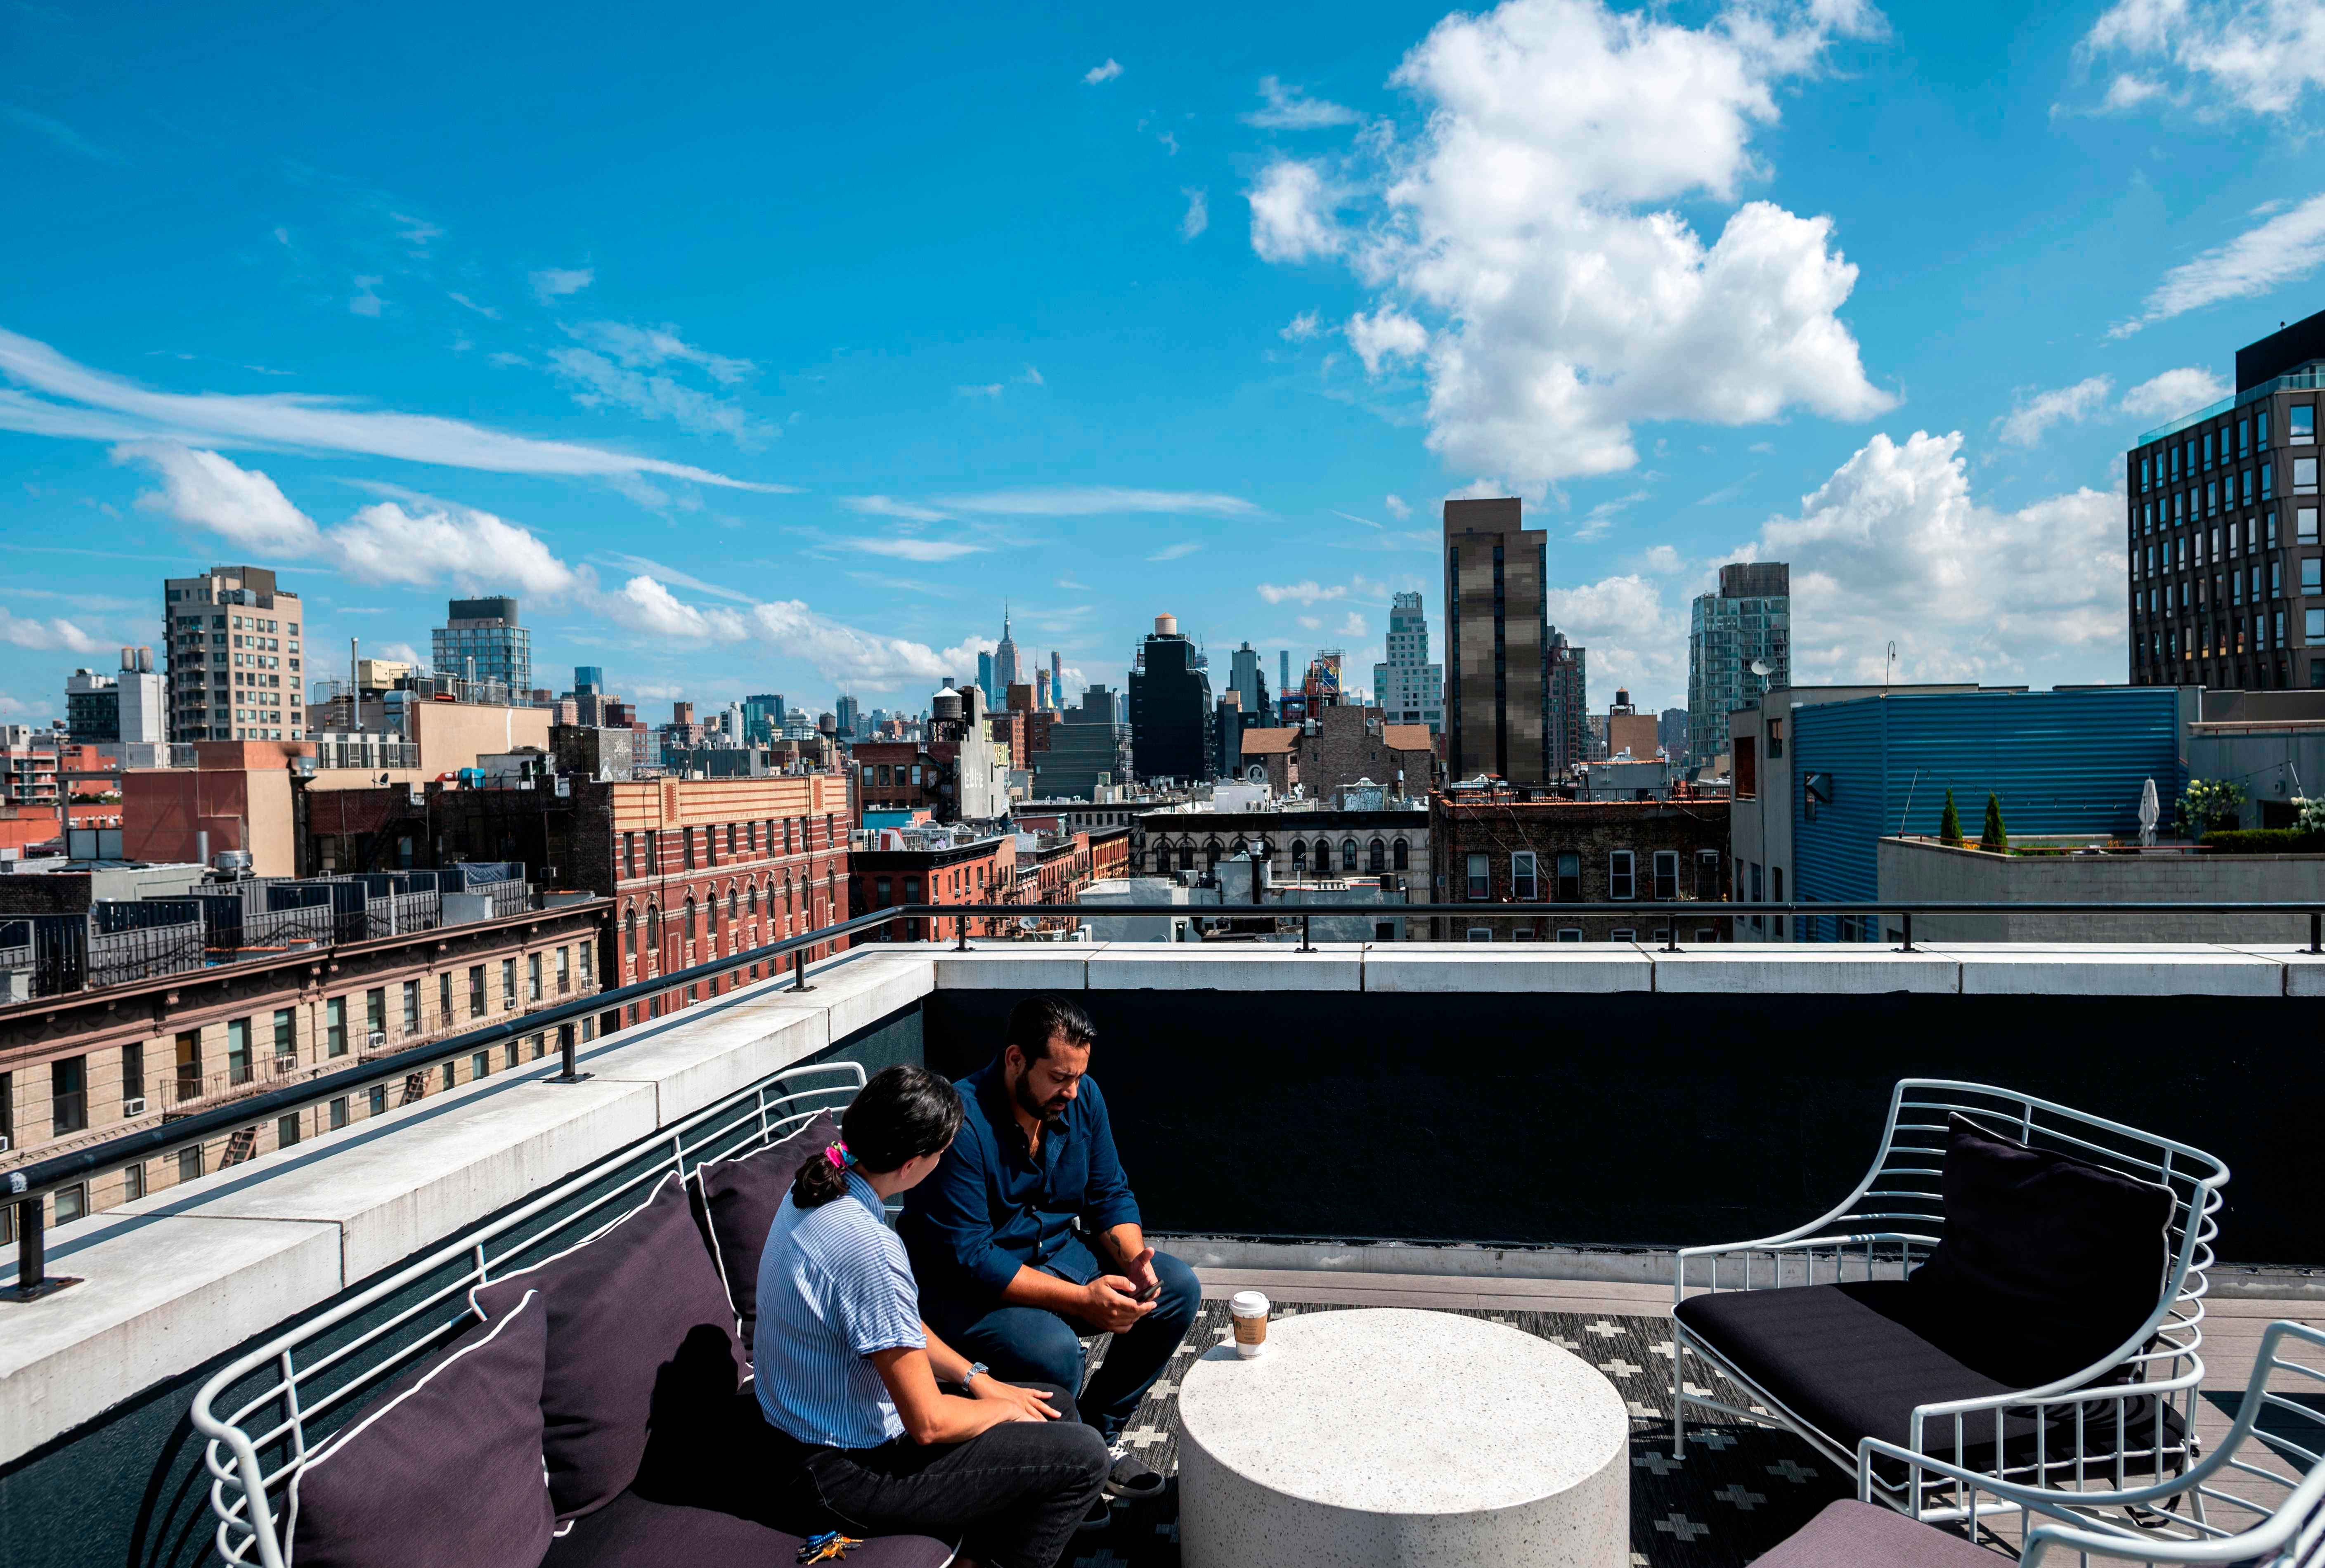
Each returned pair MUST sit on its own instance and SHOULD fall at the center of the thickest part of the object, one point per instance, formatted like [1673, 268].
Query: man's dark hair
[1035, 1021]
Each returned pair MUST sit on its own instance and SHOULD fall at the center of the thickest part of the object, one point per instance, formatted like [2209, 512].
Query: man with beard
[1006, 1277]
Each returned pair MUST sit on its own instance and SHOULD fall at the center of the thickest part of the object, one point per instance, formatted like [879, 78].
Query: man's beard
[1047, 1115]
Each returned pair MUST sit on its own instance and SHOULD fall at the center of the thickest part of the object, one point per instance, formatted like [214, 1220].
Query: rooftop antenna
[1888, 669]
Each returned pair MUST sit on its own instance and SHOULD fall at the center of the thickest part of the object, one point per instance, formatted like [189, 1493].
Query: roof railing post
[569, 1051]
[1908, 944]
[34, 1280]
[963, 923]
[1305, 946]
[2316, 932]
[799, 970]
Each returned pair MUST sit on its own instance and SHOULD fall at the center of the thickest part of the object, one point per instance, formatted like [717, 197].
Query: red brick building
[1489, 847]
[918, 869]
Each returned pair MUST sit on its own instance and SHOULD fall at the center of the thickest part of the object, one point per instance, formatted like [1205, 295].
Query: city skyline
[792, 457]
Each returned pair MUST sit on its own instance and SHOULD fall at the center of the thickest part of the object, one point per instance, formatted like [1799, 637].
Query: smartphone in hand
[1150, 1292]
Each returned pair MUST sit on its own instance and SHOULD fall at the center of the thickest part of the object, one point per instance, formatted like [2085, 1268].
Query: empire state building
[1004, 660]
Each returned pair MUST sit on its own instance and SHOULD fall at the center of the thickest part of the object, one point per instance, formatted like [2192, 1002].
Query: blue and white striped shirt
[834, 1288]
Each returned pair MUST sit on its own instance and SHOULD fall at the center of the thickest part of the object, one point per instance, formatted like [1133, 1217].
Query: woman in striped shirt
[880, 1424]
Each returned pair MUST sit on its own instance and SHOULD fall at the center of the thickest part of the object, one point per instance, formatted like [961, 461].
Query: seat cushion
[641, 1342]
[634, 1533]
[1851, 1360]
[2049, 1262]
[1853, 1535]
[739, 1198]
[443, 1468]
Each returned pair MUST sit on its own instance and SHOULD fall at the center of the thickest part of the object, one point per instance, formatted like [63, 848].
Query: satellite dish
[1760, 668]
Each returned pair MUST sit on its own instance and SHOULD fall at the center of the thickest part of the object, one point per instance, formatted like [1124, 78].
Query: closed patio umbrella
[2149, 810]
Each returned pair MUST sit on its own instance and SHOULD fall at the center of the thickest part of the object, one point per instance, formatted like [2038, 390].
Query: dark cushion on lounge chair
[1853, 1535]
[641, 1344]
[443, 1468]
[2049, 1262]
[634, 1533]
[1852, 1361]
[739, 1198]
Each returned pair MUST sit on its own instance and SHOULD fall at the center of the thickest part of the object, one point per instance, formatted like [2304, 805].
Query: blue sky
[773, 350]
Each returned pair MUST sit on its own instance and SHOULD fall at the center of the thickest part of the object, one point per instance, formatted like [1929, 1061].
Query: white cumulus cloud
[1310, 592]
[1385, 336]
[47, 636]
[1103, 73]
[1291, 213]
[1532, 227]
[2262, 57]
[2175, 393]
[1308, 323]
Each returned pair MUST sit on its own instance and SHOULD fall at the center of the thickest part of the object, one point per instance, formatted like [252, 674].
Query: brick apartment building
[82, 1066]
[1341, 746]
[1490, 847]
[697, 868]
[930, 869]
[1393, 846]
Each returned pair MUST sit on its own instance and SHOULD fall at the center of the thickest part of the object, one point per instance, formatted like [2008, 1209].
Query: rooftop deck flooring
[1739, 1491]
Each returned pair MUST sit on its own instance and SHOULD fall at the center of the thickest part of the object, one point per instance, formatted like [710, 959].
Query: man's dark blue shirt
[991, 1207]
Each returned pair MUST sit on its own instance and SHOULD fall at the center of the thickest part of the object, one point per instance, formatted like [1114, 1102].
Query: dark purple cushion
[641, 1342]
[638, 1533]
[739, 1199]
[444, 1468]
[2049, 1262]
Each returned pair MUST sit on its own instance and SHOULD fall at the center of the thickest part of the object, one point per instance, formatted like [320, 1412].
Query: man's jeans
[1016, 1491]
[1031, 1344]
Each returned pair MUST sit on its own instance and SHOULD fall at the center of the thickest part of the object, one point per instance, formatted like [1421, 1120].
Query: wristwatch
[976, 1370]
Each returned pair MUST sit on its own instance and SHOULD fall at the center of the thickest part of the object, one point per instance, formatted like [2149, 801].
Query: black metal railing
[28, 1188]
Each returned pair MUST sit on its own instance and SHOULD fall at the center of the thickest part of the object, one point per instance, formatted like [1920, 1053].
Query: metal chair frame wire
[2267, 1481]
[1891, 1222]
[311, 1376]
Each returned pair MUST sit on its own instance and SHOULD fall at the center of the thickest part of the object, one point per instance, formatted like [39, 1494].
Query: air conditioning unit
[134, 1106]
[375, 1040]
[4, 1145]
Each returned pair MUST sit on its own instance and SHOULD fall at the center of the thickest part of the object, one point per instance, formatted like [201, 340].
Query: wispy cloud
[1287, 110]
[1097, 501]
[1032, 377]
[62, 134]
[484, 311]
[96, 406]
[629, 563]
[1308, 323]
[630, 367]
[553, 284]
[1309, 592]
[1198, 212]
[2288, 246]
[650, 347]
[1174, 552]
[916, 550]
[991, 389]
[1103, 73]
[1396, 506]
[366, 302]
[888, 506]
[50, 635]
[2024, 425]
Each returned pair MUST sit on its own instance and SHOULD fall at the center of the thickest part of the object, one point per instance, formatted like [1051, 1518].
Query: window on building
[72, 1203]
[1399, 856]
[630, 933]
[652, 862]
[451, 1075]
[2300, 423]
[564, 971]
[1707, 874]
[1376, 856]
[376, 1098]
[237, 1051]
[335, 1027]
[508, 985]
[686, 850]
[189, 1063]
[1568, 889]
[2311, 580]
[1298, 856]
[132, 1079]
[410, 1007]
[477, 991]
[1776, 740]
[1622, 877]
[286, 1130]
[1481, 877]
[1347, 854]
[1569, 933]
[68, 1094]
[532, 985]
[1481, 934]
[2304, 475]
[1523, 887]
[444, 997]
[1666, 874]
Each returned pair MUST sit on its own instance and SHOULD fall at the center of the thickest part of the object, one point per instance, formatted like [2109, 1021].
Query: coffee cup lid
[1247, 1304]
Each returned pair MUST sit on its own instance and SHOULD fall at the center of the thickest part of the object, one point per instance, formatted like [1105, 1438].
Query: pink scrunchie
[837, 1153]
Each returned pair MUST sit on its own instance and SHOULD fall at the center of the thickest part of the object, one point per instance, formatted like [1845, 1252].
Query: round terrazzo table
[1379, 1437]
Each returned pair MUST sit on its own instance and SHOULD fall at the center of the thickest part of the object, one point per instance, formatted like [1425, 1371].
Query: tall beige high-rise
[1496, 635]
[232, 650]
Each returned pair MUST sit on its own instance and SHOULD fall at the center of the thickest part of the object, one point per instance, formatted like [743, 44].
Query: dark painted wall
[1638, 1120]
[129, 1488]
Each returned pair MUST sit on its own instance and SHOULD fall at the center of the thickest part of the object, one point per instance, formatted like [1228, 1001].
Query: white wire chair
[2102, 1431]
[269, 1410]
[2267, 1478]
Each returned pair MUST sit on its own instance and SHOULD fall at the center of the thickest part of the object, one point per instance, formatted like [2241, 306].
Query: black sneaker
[1129, 1478]
[1100, 1515]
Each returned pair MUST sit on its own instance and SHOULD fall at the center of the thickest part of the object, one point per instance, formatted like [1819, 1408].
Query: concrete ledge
[1764, 969]
[1017, 966]
[2099, 969]
[1511, 967]
[707, 1060]
[158, 1295]
[398, 1184]
[857, 990]
[1192, 966]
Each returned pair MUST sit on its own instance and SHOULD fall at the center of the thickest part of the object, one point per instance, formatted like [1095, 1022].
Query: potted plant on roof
[1950, 824]
[2206, 803]
[1994, 838]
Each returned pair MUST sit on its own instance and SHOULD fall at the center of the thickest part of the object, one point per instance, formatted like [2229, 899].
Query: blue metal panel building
[2061, 762]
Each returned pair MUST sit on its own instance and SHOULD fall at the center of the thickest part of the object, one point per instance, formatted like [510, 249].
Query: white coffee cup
[1248, 1309]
